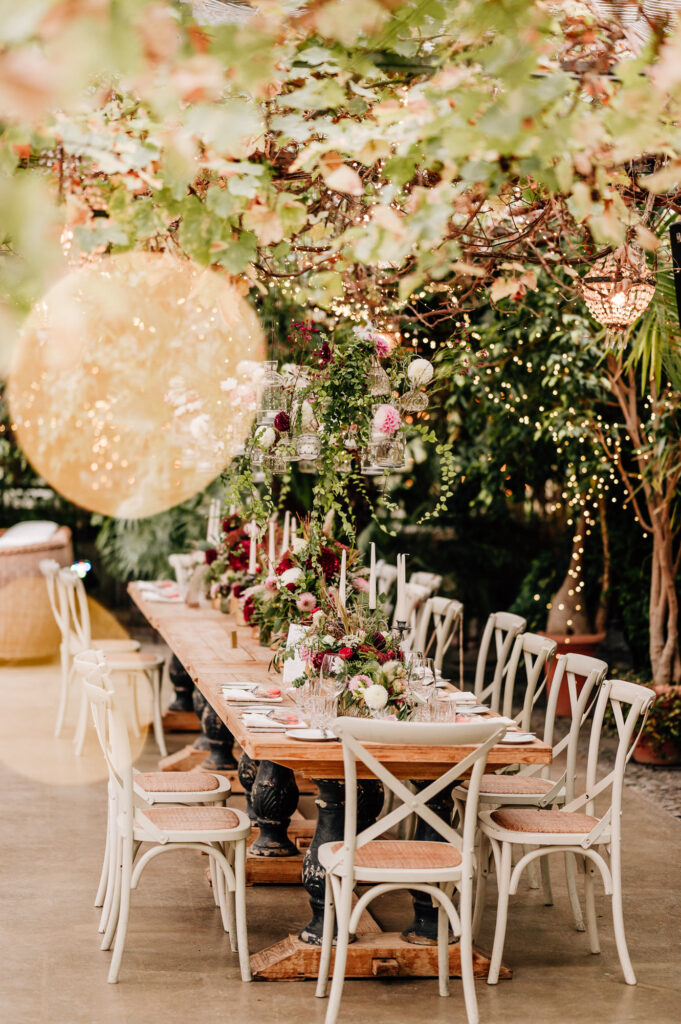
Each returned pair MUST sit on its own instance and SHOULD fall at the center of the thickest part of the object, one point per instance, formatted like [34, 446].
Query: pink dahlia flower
[387, 419]
[306, 602]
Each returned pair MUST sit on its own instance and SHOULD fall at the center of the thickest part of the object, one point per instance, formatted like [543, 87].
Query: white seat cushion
[21, 535]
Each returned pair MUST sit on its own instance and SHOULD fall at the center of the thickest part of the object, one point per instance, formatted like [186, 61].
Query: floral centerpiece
[228, 562]
[304, 583]
[369, 664]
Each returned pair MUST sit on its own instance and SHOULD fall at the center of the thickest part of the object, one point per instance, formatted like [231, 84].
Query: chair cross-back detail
[593, 839]
[431, 580]
[435, 868]
[502, 628]
[415, 599]
[440, 622]
[124, 658]
[219, 832]
[532, 655]
[60, 609]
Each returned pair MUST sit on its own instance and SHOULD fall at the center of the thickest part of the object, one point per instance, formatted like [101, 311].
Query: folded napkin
[463, 696]
[235, 693]
[253, 720]
[167, 597]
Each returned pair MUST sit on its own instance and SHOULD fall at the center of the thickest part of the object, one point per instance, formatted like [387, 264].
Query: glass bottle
[272, 398]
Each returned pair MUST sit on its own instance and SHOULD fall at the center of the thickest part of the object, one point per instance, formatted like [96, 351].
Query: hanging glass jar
[390, 452]
[369, 465]
[344, 464]
[379, 382]
[309, 466]
[414, 400]
[272, 395]
[275, 460]
[308, 445]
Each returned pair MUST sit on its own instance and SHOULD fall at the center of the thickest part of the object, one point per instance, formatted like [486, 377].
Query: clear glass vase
[414, 401]
[308, 446]
[272, 396]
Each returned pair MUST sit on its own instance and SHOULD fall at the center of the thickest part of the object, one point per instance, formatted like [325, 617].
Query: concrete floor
[178, 967]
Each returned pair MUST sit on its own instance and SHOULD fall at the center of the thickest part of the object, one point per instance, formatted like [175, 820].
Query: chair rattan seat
[512, 785]
[531, 819]
[177, 782]
[393, 854]
[191, 819]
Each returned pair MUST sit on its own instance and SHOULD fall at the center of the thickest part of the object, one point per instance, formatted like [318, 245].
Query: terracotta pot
[646, 752]
[579, 643]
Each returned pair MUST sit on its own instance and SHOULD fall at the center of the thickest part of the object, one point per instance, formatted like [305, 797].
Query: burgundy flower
[318, 658]
[286, 563]
[237, 589]
[282, 422]
[248, 609]
[324, 354]
[329, 562]
[382, 658]
[211, 554]
[345, 653]
[230, 523]
[378, 640]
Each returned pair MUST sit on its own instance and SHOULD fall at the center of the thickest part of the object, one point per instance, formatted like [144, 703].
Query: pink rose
[382, 345]
[306, 602]
[271, 583]
[357, 681]
[361, 584]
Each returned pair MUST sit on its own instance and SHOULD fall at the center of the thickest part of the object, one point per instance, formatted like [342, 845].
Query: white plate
[511, 738]
[474, 709]
[250, 700]
[311, 735]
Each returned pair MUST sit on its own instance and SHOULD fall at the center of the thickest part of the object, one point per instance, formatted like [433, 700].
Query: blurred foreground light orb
[132, 383]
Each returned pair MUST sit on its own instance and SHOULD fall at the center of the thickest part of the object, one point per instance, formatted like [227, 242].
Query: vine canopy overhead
[385, 158]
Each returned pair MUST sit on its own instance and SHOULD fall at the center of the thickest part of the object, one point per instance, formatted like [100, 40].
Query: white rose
[265, 437]
[420, 373]
[394, 670]
[291, 576]
[328, 641]
[375, 697]
[298, 544]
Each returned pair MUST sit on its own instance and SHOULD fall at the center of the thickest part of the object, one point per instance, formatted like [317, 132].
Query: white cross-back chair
[386, 578]
[220, 832]
[431, 580]
[436, 868]
[151, 787]
[57, 580]
[441, 621]
[532, 785]
[184, 565]
[577, 828]
[415, 599]
[502, 628]
[124, 658]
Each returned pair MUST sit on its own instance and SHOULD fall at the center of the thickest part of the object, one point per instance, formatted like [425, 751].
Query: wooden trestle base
[374, 954]
[189, 759]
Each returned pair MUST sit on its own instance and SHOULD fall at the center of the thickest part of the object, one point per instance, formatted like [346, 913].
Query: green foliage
[139, 548]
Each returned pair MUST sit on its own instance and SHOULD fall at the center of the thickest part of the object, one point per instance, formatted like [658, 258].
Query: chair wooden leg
[327, 941]
[618, 915]
[532, 871]
[443, 950]
[81, 728]
[482, 874]
[343, 911]
[122, 926]
[240, 908]
[115, 889]
[136, 717]
[466, 951]
[157, 718]
[590, 906]
[503, 882]
[546, 880]
[571, 877]
[214, 881]
[101, 888]
[65, 685]
[111, 874]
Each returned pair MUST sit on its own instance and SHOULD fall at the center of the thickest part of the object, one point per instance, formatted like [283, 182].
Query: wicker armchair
[27, 626]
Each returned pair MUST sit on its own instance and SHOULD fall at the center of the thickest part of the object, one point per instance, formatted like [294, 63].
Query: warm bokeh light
[131, 387]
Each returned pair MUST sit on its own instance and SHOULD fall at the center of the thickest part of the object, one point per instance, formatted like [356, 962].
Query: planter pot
[579, 643]
[646, 752]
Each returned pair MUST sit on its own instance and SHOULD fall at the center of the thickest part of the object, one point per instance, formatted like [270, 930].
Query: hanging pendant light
[618, 289]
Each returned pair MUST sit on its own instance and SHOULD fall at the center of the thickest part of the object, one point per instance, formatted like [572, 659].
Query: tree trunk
[601, 619]
[664, 609]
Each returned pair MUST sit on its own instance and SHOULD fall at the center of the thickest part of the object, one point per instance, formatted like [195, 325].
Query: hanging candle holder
[378, 380]
[272, 394]
[414, 400]
[391, 452]
[309, 466]
[308, 446]
[617, 291]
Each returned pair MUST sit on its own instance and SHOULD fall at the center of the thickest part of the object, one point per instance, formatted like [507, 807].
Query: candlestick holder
[402, 628]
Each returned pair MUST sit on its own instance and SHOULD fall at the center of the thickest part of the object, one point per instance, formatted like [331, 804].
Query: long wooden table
[214, 650]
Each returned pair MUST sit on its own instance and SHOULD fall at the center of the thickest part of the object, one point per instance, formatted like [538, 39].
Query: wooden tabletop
[214, 650]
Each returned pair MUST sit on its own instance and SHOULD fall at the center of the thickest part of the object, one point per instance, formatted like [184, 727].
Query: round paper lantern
[132, 384]
[618, 288]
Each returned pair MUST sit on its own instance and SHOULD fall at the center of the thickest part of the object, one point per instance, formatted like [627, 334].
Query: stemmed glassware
[330, 679]
[421, 683]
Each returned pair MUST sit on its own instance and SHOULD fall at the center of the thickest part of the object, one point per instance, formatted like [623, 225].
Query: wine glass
[330, 675]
